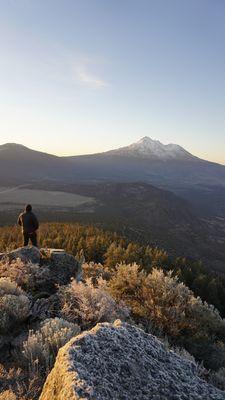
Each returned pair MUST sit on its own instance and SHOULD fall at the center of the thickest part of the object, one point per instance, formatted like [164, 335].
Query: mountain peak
[147, 139]
[147, 147]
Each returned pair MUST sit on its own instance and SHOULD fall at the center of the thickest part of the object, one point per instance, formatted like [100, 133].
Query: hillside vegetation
[42, 308]
[110, 249]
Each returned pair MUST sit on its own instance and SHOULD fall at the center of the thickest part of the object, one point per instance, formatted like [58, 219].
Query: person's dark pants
[30, 236]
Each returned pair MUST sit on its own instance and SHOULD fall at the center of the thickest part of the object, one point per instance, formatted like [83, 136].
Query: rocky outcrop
[39, 270]
[121, 362]
[25, 254]
[63, 265]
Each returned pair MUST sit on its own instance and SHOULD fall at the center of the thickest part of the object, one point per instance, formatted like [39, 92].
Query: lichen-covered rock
[26, 254]
[121, 362]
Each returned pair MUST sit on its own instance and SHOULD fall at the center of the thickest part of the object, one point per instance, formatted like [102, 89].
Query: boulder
[64, 266]
[26, 254]
[58, 257]
[122, 362]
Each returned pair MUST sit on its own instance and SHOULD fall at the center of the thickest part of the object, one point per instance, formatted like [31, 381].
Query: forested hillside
[110, 249]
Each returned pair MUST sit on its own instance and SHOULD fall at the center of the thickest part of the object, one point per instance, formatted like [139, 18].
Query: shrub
[41, 347]
[8, 395]
[16, 383]
[218, 378]
[158, 298]
[94, 272]
[88, 305]
[30, 277]
[206, 349]
[14, 305]
[9, 287]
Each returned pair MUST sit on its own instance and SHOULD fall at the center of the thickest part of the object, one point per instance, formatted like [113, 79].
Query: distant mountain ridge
[146, 147]
[170, 167]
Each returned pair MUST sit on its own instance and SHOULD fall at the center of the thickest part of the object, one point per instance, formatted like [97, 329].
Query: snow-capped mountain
[169, 166]
[154, 149]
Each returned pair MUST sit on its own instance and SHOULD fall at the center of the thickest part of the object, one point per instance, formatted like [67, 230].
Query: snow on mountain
[149, 148]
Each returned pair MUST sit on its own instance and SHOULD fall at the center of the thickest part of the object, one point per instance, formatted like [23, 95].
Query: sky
[85, 76]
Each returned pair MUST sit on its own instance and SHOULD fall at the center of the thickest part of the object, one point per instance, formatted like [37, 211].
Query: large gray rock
[26, 254]
[64, 266]
[121, 362]
[58, 257]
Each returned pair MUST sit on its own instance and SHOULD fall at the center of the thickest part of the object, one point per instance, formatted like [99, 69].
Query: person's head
[28, 208]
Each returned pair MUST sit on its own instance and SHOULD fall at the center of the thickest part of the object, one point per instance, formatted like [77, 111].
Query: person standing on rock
[29, 223]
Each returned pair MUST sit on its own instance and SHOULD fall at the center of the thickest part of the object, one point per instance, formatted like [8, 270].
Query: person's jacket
[28, 222]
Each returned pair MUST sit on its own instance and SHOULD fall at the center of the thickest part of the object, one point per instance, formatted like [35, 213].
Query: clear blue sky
[81, 76]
